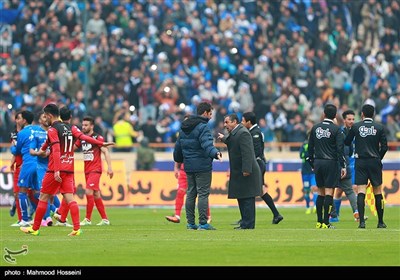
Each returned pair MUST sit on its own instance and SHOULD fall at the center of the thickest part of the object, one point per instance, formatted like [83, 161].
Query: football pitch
[143, 237]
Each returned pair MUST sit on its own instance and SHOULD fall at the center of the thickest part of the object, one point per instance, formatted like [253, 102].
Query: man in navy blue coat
[195, 148]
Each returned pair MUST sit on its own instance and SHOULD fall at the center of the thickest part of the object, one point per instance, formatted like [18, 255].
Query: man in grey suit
[245, 176]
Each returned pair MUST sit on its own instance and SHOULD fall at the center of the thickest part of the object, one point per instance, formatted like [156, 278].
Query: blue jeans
[198, 186]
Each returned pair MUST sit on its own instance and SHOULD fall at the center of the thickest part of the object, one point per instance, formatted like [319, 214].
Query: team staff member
[326, 153]
[245, 176]
[370, 148]
[195, 148]
[250, 122]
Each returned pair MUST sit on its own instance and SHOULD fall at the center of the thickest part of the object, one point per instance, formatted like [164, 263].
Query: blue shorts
[41, 170]
[28, 177]
[308, 181]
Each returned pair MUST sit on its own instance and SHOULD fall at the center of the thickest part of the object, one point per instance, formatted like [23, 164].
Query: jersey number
[68, 143]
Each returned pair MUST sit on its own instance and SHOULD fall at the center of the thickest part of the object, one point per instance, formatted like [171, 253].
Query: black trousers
[247, 207]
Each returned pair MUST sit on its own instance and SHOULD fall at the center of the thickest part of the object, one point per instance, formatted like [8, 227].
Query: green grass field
[143, 237]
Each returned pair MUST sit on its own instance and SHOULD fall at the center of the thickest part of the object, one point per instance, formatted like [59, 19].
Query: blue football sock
[307, 199]
[23, 203]
[56, 202]
[314, 198]
[337, 203]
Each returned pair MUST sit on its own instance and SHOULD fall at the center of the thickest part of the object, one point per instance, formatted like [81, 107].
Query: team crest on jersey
[365, 131]
[86, 147]
[322, 133]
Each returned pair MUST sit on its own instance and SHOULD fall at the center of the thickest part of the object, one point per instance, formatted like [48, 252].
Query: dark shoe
[361, 225]
[277, 219]
[241, 228]
[381, 225]
[206, 227]
[236, 223]
[191, 226]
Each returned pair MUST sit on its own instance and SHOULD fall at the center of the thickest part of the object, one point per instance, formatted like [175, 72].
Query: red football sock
[89, 206]
[180, 196]
[100, 207]
[74, 209]
[18, 209]
[63, 210]
[40, 211]
[208, 212]
[32, 198]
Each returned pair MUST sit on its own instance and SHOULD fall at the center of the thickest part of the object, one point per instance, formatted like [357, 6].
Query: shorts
[368, 169]
[41, 171]
[327, 173]
[308, 181]
[28, 177]
[93, 181]
[51, 186]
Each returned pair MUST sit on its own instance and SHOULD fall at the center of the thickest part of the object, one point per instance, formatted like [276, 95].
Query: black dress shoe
[239, 227]
[277, 219]
[361, 225]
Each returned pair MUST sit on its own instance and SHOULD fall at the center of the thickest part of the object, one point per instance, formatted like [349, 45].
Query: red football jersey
[61, 138]
[91, 154]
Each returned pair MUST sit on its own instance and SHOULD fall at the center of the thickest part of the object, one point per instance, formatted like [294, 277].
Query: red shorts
[51, 186]
[15, 178]
[93, 181]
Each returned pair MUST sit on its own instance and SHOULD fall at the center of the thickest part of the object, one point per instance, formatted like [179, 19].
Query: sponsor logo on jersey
[365, 131]
[322, 133]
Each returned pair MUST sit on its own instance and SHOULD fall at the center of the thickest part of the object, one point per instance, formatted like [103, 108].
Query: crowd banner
[158, 188]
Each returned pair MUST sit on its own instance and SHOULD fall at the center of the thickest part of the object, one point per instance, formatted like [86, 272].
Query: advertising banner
[158, 188]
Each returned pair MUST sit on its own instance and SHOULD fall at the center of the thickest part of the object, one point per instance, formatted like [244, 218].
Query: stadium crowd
[149, 63]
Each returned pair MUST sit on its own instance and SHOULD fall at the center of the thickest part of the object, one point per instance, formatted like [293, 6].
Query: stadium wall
[130, 187]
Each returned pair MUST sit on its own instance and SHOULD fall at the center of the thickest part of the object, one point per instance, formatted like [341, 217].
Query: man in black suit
[245, 176]
[250, 122]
